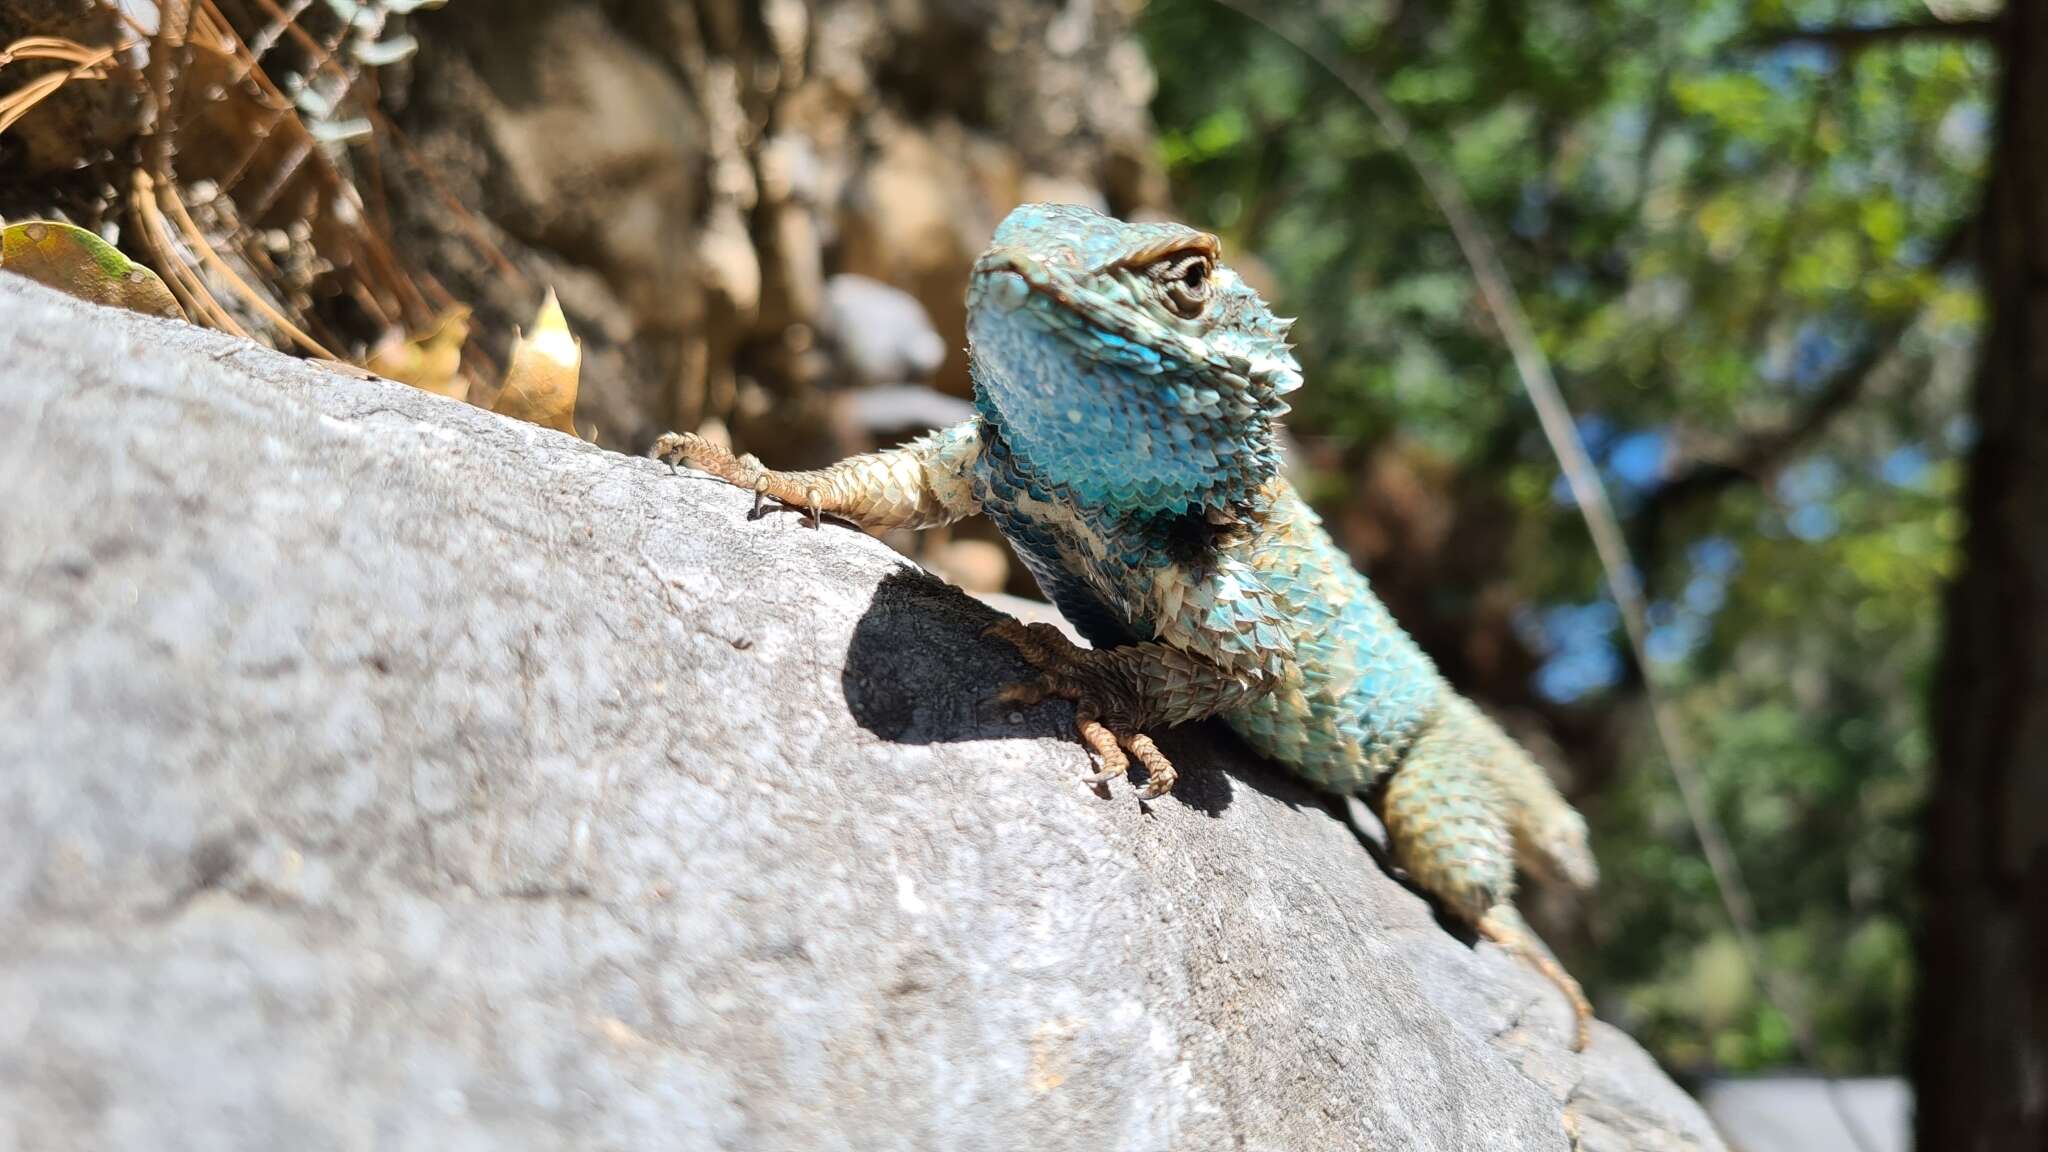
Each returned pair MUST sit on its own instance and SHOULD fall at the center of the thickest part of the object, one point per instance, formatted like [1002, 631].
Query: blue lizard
[1128, 387]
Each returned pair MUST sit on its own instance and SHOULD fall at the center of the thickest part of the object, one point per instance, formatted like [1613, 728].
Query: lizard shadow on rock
[1374, 840]
[919, 672]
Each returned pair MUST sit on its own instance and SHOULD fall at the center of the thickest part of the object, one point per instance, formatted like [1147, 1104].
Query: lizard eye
[1185, 277]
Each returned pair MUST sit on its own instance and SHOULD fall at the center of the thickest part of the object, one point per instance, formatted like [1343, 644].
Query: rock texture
[689, 173]
[381, 773]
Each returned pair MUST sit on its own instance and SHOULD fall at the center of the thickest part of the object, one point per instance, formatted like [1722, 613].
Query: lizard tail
[1464, 806]
[1446, 819]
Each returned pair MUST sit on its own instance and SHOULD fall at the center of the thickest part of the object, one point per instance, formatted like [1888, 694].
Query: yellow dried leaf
[540, 386]
[72, 260]
[431, 361]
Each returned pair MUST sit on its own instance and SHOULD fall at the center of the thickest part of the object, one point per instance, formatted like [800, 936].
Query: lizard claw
[680, 449]
[687, 449]
[1115, 750]
[1160, 774]
[1058, 659]
[1102, 742]
[677, 449]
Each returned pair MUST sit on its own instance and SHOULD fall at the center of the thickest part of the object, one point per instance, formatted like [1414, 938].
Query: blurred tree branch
[1857, 37]
[1761, 452]
[1810, 159]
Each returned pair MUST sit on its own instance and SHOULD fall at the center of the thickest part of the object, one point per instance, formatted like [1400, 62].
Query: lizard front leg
[923, 484]
[1119, 692]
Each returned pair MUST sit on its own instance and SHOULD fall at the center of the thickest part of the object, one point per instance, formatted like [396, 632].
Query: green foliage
[1712, 237]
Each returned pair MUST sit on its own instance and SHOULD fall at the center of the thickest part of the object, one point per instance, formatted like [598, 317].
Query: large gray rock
[376, 772]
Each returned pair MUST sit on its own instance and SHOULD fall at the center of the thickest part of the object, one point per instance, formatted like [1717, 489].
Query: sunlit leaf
[540, 386]
[431, 360]
[1724, 224]
[73, 260]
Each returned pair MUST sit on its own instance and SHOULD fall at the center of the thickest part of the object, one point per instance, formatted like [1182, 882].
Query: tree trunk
[1981, 1050]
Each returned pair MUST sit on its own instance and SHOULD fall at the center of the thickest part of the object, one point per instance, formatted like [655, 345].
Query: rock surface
[382, 773]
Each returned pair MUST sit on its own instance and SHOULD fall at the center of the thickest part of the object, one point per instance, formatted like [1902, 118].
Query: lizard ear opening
[1185, 277]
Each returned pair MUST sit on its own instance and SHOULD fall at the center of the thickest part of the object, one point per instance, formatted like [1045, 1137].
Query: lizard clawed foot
[1063, 675]
[679, 449]
[1505, 927]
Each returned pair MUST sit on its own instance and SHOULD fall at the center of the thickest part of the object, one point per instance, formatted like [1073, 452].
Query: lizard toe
[689, 450]
[1160, 774]
[1102, 742]
[1100, 717]
[673, 449]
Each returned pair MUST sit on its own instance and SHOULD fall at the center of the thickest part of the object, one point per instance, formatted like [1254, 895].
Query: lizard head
[1125, 364]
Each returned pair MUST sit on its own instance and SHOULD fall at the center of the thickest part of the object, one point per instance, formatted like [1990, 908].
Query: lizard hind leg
[1449, 824]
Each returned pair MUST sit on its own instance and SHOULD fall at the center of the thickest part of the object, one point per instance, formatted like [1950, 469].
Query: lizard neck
[1132, 536]
[1118, 472]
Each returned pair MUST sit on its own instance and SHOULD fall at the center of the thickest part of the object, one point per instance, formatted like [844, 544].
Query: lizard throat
[1095, 400]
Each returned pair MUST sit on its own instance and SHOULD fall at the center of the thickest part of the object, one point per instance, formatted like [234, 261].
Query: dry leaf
[431, 361]
[73, 260]
[540, 386]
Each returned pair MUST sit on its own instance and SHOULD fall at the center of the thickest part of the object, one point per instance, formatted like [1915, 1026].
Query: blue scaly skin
[1127, 386]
